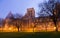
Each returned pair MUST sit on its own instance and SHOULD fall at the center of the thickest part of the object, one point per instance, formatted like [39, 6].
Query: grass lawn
[30, 35]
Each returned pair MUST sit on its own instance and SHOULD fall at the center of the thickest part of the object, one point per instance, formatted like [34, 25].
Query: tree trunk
[46, 27]
[33, 29]
[18, 28]
[56, 28]
[21, 28]
[55, 20]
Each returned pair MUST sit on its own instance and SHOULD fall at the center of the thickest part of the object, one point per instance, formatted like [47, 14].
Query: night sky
[17, 6]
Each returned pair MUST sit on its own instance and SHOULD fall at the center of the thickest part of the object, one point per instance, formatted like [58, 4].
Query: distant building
[28, 18]
[31, 23]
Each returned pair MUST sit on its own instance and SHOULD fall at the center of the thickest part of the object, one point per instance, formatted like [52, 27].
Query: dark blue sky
[17, 6]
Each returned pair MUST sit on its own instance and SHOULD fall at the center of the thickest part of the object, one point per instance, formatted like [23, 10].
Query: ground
[30, 35]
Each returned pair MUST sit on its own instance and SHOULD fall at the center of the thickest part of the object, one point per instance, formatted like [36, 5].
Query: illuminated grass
[29, 35]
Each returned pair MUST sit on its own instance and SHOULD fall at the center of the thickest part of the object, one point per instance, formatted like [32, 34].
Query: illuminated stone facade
[30, 23]
[37, 24]
[28, 19]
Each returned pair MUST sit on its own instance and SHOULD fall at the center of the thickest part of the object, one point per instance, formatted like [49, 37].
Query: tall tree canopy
[46, 8]
[50, 8]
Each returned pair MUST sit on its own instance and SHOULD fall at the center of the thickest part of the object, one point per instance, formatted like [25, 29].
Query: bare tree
[15, 20]
[2, 23]
[48, 9]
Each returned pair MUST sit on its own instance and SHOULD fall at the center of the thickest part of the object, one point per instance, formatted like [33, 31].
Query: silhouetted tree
[17, 21]
[2, 23]
[48, 9]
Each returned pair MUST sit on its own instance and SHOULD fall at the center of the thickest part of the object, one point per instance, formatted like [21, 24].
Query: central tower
[30, 13]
